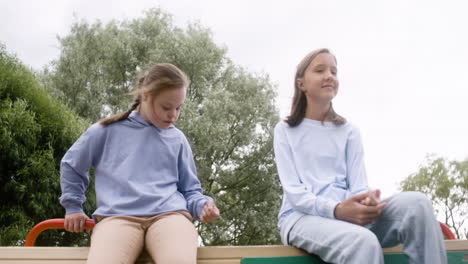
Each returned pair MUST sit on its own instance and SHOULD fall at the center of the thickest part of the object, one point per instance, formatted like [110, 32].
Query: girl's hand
[372, 199]
[353, 211]
[209, 212]
[75, 222]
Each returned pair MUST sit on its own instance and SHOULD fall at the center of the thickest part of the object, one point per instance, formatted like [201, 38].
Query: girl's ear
[144, 95]
[300, 84]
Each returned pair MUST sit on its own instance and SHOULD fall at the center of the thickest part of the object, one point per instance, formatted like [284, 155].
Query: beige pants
[168, 238]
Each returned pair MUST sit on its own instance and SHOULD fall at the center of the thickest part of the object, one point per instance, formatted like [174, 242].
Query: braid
[135, 104]
[121, 116]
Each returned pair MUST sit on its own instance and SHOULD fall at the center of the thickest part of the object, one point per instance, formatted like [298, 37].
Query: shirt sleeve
[189, 184]
[74, 170]
[301, 198]
[357, 177]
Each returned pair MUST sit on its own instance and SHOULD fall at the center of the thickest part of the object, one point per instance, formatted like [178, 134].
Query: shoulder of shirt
[353, 131]
[351, 126]
[281, 125]
[280, 128]
[96, 129]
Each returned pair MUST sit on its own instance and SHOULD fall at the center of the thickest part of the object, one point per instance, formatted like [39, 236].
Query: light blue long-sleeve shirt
[140, 170]
[319, 165]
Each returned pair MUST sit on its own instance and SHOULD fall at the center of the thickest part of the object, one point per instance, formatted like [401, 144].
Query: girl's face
[320, 82]
[164, 109]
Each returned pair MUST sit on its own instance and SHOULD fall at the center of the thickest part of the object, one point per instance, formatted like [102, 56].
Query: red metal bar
[447, 232]
[57, 223]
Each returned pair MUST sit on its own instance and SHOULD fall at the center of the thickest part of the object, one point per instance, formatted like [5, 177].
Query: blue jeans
[408, 218]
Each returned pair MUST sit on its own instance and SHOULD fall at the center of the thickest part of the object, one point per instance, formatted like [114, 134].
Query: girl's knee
[415, 196]
[417, 200]
[409, 199]
[413, 205]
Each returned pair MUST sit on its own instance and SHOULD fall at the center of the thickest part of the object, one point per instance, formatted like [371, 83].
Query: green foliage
[35, 132]
[228, 115]
[446, 184]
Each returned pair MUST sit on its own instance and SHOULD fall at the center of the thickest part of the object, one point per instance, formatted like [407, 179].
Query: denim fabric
[408, 218]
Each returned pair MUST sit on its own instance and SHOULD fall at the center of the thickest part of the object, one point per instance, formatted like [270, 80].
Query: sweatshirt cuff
[73, 208]
[327, 207]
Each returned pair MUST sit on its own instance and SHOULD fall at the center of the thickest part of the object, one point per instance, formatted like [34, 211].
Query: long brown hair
[158, 77]
[299, 103]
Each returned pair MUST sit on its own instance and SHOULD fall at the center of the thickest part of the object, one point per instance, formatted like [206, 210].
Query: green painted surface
[454, 257]
[284, 260]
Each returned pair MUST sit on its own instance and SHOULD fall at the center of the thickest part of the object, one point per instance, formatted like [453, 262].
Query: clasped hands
[360, 209]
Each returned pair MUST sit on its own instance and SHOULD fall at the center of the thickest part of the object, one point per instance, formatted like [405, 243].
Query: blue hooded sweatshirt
[140, 170]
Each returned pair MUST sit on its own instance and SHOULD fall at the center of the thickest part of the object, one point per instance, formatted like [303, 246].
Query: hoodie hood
[136, 120]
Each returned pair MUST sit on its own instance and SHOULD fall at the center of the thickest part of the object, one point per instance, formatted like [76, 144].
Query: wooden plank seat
[458, 249]
[457, 253]
[206, 255]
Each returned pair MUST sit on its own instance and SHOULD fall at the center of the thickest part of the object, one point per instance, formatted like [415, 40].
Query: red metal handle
[57, 223]
[447, 232]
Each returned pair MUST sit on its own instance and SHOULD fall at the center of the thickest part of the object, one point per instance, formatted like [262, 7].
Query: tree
[228, 115]
[446, 184]
[35, 132]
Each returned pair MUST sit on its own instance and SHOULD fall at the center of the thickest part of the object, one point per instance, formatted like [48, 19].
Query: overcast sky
[402, 64]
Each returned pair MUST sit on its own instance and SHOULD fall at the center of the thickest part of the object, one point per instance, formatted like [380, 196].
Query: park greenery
[35, 132]
[445, 182]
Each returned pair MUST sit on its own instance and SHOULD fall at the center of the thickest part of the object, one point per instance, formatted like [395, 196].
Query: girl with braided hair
[147, 190]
